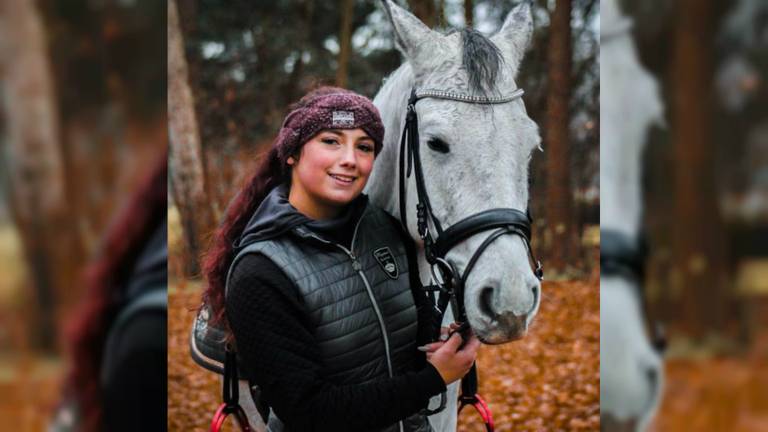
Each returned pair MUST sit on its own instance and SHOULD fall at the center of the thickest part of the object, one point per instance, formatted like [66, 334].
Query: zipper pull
[355, 264]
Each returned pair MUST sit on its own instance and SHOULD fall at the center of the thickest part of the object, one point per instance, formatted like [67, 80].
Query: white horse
[474, 157]
[630, 369]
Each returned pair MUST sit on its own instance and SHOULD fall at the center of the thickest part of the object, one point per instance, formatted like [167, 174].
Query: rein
[231, 405]
[449, 282]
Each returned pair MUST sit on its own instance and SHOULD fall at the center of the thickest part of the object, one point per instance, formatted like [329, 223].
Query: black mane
[481, 59]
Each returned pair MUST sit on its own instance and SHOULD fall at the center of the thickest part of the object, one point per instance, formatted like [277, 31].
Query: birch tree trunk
[561, 238]
[36, 171]
[187, 174]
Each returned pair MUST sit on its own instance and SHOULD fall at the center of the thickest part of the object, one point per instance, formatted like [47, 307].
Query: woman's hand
[451, 361]
[444, 333]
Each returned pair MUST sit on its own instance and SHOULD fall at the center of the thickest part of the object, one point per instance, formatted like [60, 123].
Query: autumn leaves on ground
[547, 381]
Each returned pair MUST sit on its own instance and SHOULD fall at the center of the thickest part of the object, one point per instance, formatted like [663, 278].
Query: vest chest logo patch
[387, 262]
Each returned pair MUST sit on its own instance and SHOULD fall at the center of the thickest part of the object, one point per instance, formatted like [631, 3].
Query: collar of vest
[276, 216]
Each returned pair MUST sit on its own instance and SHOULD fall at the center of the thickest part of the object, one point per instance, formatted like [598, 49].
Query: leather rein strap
[450, 283]
[230, 406]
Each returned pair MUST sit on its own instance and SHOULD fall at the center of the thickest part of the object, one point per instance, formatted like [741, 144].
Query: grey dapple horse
[630, 368]
[475, 157]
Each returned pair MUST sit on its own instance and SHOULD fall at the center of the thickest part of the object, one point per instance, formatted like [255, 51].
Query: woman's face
[331, 171]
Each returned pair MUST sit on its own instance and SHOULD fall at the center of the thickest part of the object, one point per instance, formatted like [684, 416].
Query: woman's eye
[330, 141]
[438, 145]
[365, 147]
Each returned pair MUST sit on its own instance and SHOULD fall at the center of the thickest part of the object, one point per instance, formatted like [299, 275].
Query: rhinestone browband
[440, 94]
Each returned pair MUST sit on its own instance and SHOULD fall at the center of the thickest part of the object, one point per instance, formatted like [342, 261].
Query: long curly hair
[104, 279]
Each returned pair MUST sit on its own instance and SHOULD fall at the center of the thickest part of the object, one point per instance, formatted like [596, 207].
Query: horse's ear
[515, 35]
[412, 37]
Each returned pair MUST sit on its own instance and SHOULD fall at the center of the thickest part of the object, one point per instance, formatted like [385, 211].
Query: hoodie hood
[276, 216]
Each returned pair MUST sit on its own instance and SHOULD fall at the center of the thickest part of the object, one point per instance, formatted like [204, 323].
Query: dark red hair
[271, 171]
[104, 280]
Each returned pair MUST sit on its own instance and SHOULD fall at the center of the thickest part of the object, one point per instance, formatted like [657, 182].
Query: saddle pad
[207, 342]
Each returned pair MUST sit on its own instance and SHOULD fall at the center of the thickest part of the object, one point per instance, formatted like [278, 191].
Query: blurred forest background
[706, 205]
[82, 116]
[238, 65]
[235, 66]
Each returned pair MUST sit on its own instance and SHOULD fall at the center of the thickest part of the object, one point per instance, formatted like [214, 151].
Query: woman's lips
[343, 179]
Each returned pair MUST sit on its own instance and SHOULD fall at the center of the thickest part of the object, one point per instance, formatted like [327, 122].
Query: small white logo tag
[343, 118]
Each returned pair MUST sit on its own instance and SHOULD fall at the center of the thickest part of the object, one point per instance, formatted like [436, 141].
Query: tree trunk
[469, 11]
[560, 238]
[697, 244]
[185, 157]
[36, 171]
[345, 42]
[425, 10]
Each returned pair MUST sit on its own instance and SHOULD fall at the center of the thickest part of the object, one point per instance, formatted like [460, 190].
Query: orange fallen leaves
[551, 379]
[546, 382]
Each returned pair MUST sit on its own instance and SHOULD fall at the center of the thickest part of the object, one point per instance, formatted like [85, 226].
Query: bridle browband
[622, 255]
[450, 282]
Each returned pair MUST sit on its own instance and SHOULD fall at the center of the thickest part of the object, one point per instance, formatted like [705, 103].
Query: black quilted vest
[359, 301]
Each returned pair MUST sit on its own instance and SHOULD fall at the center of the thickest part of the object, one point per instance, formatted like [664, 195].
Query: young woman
[313, 282]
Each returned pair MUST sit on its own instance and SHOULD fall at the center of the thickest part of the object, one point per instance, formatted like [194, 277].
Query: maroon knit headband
[333, 108]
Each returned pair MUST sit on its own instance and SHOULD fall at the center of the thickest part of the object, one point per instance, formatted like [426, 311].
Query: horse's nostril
[486, 301]
[535, 290]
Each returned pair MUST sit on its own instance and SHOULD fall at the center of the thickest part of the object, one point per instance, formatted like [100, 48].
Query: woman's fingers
[430, 347]
[446, 331]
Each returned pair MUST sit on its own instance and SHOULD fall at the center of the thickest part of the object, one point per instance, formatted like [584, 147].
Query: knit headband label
[343, 118]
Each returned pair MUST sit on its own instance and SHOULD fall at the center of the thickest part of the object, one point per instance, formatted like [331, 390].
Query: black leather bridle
[450, 282]
[624, 256]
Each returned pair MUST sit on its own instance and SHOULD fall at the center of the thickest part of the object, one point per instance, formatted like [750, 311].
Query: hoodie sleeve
[278, 353]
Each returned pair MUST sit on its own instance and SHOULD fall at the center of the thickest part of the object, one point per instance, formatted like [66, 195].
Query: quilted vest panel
[359, 301]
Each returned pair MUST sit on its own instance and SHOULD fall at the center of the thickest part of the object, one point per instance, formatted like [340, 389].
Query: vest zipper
[359, 269]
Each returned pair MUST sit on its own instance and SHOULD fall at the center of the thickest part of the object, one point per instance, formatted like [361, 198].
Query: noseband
[621, 255]
[447, 279]
[502, 220]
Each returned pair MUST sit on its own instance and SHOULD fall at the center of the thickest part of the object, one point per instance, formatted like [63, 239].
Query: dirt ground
[546, 382]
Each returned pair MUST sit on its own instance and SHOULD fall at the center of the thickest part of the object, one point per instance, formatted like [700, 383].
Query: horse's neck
[391, 101]
[628, 106]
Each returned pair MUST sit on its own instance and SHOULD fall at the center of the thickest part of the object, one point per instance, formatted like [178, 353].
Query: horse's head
[475, 157]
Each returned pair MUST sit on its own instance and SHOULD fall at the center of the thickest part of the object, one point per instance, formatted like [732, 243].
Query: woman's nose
[348, 157]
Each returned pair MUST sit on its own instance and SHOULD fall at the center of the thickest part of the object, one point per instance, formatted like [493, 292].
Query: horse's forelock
[482, 60]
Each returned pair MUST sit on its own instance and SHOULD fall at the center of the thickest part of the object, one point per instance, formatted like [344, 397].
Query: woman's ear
[290, 160]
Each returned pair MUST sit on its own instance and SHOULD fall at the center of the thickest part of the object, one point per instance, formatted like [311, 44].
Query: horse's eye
[438, 145]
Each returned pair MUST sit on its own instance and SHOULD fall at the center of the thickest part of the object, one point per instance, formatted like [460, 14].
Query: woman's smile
[331, 171]
[344, 180]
